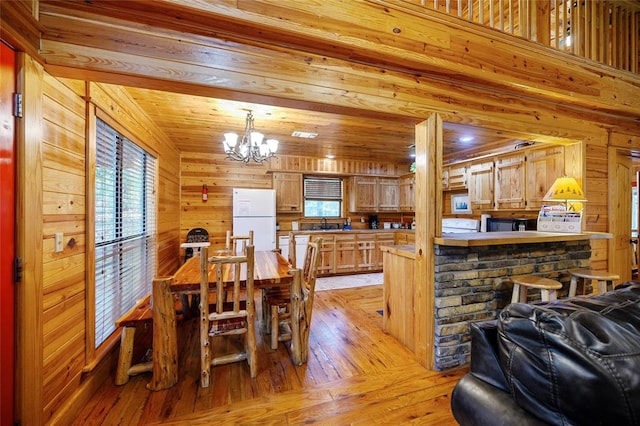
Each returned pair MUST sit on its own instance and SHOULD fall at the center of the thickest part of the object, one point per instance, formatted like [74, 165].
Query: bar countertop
[514, 237]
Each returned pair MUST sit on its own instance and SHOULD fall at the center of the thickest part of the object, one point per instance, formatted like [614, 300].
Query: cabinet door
[407, 193]
[510, 182]
[481, 186]
[382, 239]
[388, 195]
[345, 259]
[457, 177]
[288, 188]
[364, 194]
[544, 165]
[327, 262]
[366, 252]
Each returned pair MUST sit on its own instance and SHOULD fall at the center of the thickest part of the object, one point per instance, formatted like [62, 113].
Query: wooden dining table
[271, 269]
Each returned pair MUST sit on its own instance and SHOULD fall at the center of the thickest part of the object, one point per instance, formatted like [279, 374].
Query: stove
[460, 226]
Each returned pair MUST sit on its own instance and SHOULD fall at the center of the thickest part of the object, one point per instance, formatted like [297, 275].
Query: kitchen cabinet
[388, 195]
[454, 177]
[366, 252]
[345, 253]
[326, 264]
[288, 188]
[364, 194]
[509, 189]
[404, 238]
[383, 239]
[480, 178]
[543, 166]
[407, 193]
[371, 194]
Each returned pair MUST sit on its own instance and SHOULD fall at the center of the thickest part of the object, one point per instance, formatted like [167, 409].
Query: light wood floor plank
[356, 374]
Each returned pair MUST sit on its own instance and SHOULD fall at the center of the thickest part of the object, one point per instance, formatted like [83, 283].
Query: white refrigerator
[255, 210]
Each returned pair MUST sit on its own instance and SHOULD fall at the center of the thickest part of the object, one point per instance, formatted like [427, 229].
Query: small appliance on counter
[500, 224]
[373, 221]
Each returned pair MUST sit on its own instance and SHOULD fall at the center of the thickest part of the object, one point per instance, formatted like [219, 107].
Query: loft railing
[604, 31]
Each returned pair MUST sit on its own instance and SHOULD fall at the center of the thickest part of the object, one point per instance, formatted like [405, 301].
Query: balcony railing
[604, 31]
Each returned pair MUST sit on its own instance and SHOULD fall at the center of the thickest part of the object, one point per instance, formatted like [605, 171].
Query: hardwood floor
[356, 374]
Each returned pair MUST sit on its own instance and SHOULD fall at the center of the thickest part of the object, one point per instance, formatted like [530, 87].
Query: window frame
[328, 198]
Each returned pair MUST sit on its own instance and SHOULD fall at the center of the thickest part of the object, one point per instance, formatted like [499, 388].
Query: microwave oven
[497, 224]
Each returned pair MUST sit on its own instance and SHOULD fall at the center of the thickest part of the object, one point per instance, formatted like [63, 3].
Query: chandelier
[252, 146]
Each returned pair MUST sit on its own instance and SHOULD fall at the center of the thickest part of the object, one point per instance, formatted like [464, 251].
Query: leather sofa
[569, 362]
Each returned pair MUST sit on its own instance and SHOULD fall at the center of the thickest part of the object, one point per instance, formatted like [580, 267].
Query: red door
[7, 233]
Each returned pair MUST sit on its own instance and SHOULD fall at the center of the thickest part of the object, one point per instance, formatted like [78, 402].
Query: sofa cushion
[575, 361]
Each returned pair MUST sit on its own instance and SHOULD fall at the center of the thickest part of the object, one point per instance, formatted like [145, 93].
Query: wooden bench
[139, 315]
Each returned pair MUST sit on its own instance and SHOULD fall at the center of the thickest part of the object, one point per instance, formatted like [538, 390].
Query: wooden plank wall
[596, 186]
[221, 175]
[64, 210]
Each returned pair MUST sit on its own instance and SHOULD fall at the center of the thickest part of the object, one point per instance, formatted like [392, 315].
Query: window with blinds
[125, 227]
[322, 197]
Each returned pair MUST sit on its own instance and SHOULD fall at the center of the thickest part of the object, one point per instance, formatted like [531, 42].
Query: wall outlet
[59, 239]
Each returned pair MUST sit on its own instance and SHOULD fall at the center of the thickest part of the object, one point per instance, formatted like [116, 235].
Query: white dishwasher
[283, 244]
[301, 249]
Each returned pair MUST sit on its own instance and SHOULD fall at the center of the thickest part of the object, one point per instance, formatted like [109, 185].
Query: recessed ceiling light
[304, 135]
[466, 139]
[331, 156]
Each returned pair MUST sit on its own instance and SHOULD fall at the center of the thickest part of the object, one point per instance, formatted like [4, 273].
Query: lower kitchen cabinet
[345, 253]
[327, 254]
[366, 252]
[383, 239]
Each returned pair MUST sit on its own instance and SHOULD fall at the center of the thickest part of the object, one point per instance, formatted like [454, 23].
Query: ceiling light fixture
[252, 146]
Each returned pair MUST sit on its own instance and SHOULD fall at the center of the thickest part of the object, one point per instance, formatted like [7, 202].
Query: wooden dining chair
[233, 242]
[291, 308]
[232, 318]
[266, 309]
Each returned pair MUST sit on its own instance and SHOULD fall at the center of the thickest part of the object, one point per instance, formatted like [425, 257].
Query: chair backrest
[311, 261]
[195, 235]
[227, 318]
[292, 250]
[234, 242]
[302, 295]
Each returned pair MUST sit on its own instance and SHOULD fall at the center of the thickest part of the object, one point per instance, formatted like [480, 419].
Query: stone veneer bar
[471, 284]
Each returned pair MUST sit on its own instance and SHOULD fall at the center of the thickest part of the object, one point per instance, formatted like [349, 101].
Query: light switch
[59, 237]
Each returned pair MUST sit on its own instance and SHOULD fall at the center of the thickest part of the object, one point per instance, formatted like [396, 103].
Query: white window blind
[322, 189]
[322, 197]
[125, 227]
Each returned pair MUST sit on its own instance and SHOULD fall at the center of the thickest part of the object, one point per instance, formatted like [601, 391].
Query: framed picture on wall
[460, 204]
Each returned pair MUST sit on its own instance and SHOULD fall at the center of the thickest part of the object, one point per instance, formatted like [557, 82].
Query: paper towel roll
[483, 222]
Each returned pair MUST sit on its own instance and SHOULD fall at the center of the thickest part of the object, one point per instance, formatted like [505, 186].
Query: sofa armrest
[485, 360]
[477, 403]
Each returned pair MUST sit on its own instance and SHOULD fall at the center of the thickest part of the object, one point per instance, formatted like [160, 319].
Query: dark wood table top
[271, 269]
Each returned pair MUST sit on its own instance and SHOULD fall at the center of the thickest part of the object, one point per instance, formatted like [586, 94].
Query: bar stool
[604, 278]
[521, 283]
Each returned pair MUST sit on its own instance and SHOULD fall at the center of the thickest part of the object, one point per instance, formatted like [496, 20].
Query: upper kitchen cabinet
[407, 192]
[509, 189]
[364, 194]
[480, 183]
[388, 195]
[544, 165]
[454, 177]
[288, 188]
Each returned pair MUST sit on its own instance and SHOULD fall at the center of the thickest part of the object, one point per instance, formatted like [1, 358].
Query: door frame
[7, 233]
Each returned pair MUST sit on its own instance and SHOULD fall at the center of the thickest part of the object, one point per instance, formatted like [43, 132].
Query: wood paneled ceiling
[197, 124]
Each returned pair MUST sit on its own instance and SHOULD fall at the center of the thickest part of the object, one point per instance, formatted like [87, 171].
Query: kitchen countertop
[514, 237]
[343, 231]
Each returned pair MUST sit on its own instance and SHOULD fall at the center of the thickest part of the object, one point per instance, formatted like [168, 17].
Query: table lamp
[565, 189]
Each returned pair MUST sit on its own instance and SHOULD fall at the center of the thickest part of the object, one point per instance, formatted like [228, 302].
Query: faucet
[323, 223]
